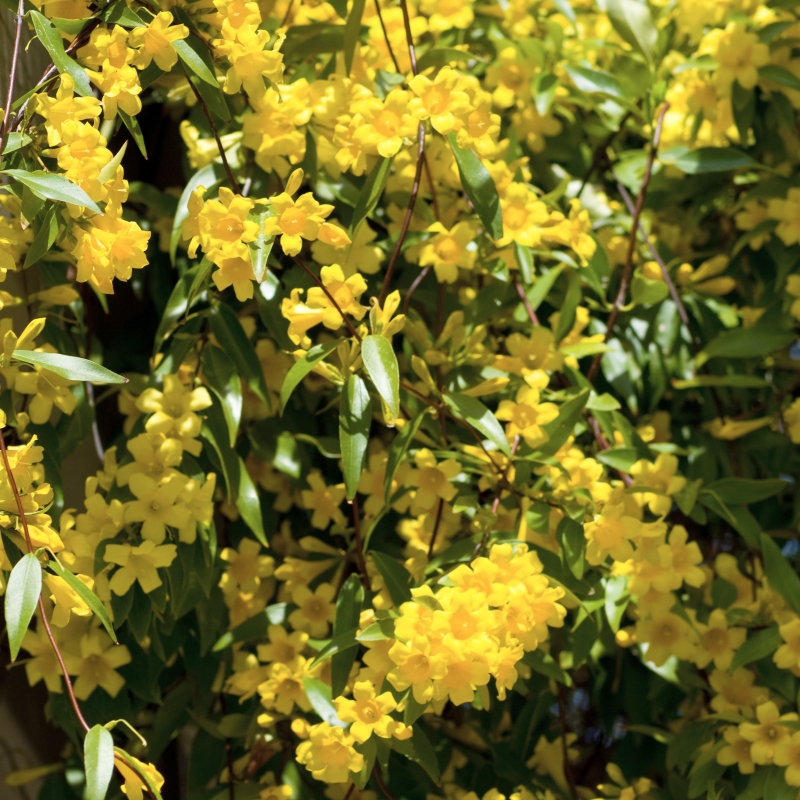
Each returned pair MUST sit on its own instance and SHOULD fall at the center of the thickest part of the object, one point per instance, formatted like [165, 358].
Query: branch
[412, 200]
[362, 564]
[386, 37]
[12, 79]
[42, 611]
[626, 275]
[213, 125]
[527, 303]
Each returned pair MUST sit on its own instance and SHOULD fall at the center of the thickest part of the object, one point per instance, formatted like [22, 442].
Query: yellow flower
[138, 563]
[731, 429]
[439, 100]
[736, 751]
[250, 61]
[329, 754]
[549, 758]
[432, 479]
[96, 665]
[361, 255]
[283, 647]
[661, 476]
[42, 664]
[156, 506]
[304, 218]
[736, 692]
[718, 642]
[787, 656]
[526, 416]
[417, 667]
[173, 411]
[323, 500]
[787, 754]
[369, 713]
[449, 250]
[247, 565]
[154, 42]
[444, 15]
[283, 689]
[524, 217]
[66, 599]
[738, 53]
[64, 106]
[383, 126]
[767, 734]
[666, 636]
[134, 784]
[315, 609]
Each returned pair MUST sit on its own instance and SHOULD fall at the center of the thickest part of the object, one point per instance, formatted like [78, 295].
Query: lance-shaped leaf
[248, 504]
[303, 366]
[370, 194]
[352, 29]
[51, 186]
[780, 574]
[397, 451]
[355, 419]
[71, 367]
[381, 365]
[475, 414]
[345, 624]
[98, 760]
[49, 36]
[396, 577]
[480, 188]
[22, 594]
[319, 695]
[632, 21]
[223, 380]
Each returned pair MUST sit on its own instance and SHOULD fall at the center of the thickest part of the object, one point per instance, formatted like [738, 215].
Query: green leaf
[51, 186]
[233, 340]
[736, 381]
[22, 594]
[135, 130]
[261, 246]
[48, 35]
[397, 452]
[339, 644]
[542, 286]
[98, 759]
[442, 56]
[616, 600]
[254, 628]
[222, 379]
[355, 420]
[352, 29]
[189, 52]
[215, 432]
[544, 91]
[704, 160]
[546, 665]
[569, 535]
[780, 574]
[119, 14]
[595, 81]
[370, 194]
[566, 317]
[184, 292]
[480, 188]
[396, 577]
[87, 595]
[304, 366]
[382, 629]
[16, 141]
[345, 625]
[71, 367]
[381, 365]
[780, 75]
[248, 504]
[603, 402]
[475, 413]
[647, 292]
[426, 754]
[525, 260]
[743, 491]
[760, 340]
[758, 646]
[319, 695]
[619, 458]
[45, 237]
[632, 21]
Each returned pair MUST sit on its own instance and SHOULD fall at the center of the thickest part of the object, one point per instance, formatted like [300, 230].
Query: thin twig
[600, 153]
[527, 303]
[42, 611]
[12, 77]
[413, 288]
[362, 564]
[436, 524]
[412, 200]
[213, 126]
[381, 785]
[626, 275]
[386, 37]
[345, 320]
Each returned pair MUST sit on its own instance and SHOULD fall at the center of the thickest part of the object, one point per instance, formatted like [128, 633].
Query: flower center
[293, 221]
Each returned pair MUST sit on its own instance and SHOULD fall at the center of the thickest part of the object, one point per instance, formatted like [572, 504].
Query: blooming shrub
[454, 451]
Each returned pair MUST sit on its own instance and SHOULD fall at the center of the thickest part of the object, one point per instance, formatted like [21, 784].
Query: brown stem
[213, 126]
[412, 200]
[345, 320]
[386, 37]
[527, 303]
[381, 785]
[413, 288]
[12, 78]
[436, 524]
[600, 153]
[48, 631]
[362, 564]
[626, 274]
